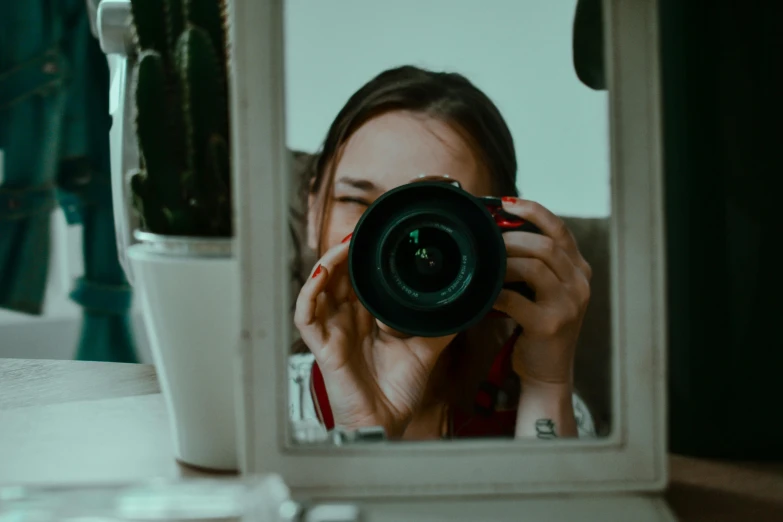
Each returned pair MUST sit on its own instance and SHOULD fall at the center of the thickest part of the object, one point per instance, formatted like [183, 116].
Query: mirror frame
[632, 458]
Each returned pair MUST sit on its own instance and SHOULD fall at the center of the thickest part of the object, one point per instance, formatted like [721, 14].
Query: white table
[83, 422]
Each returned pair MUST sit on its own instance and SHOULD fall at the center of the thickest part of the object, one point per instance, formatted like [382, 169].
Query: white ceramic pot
[189, 291]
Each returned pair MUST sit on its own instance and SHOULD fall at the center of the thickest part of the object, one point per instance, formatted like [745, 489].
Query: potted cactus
[183, 267]
[183, 187]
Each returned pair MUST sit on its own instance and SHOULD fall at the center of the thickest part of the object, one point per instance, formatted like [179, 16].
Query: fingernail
[509, 199]
[317, 271]
[347, 238]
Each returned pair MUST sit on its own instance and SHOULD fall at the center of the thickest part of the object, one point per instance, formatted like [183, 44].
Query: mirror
[445, 316]
[567, 138]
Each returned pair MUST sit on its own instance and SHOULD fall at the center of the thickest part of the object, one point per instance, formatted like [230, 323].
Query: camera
[428, 258]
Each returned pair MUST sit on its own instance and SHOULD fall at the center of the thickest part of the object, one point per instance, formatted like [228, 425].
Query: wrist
[547, 378]
[552, 391]
[550, 404]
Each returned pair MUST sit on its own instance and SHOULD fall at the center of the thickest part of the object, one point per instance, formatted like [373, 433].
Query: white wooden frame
[633, 458]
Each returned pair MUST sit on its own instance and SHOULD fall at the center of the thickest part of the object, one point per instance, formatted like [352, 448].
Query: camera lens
[427, 259]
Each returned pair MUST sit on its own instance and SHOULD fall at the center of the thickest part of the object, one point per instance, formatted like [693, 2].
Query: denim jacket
[54, 125]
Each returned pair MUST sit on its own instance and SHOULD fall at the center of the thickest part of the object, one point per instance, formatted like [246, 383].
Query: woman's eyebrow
[360, 184]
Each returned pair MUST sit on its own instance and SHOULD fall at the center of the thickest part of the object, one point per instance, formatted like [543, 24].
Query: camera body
[428, 258]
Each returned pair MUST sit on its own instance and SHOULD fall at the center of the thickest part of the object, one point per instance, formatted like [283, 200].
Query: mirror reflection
[450, 224]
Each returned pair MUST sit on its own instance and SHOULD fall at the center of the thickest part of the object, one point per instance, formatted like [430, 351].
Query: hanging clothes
[54, 131]
[33, 90]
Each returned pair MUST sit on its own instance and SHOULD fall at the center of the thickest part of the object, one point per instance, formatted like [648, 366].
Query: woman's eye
[355, 201]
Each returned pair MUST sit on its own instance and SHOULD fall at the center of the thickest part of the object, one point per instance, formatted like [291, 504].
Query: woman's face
[388, 151]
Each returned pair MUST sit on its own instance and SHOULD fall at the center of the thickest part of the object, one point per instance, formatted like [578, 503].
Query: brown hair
[453, 99]
[449, 97]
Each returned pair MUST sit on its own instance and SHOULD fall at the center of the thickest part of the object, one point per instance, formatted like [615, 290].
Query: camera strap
[486, 401]
[320, 398]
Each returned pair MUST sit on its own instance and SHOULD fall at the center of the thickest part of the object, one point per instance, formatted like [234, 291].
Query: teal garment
[34, 71]
[65, 129]
[85, 194]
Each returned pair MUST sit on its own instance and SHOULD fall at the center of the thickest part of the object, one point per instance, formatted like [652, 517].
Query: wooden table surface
[54, 413]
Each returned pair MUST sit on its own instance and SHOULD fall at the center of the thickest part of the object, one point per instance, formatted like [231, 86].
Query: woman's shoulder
[584, 420]
[300, 361]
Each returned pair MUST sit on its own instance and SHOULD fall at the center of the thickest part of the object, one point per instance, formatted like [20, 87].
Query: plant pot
[188, 288]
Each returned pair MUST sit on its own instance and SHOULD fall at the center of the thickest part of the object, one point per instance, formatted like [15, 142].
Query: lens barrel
[427, 259]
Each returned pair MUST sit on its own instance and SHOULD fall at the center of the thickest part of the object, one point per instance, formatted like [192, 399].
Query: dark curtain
[722, 88]
[722, 83]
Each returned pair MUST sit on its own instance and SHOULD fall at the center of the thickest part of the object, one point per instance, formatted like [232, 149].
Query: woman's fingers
[521, 309]
[542, 248]
[339, 286]
[307, 301]
[543, 218]
[327, 273]
[551, 226]
[535, 273]
[336, 259]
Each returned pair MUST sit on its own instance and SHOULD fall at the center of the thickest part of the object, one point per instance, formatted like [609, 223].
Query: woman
[405, 123]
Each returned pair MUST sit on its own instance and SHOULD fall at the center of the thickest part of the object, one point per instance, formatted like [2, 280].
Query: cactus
[175, 23]
[208, 15]
[183, 185]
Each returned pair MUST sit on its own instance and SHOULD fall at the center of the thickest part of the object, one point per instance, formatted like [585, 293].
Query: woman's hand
[373, 378]
[550, 263]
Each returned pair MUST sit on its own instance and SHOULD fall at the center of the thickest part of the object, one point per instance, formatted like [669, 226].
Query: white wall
[517, 51]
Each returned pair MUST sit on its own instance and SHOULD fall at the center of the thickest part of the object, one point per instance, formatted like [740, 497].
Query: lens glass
[427, 259]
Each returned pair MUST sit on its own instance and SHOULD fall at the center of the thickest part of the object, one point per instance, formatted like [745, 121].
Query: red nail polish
[347, 238]
[509, 199]
[317, 271]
